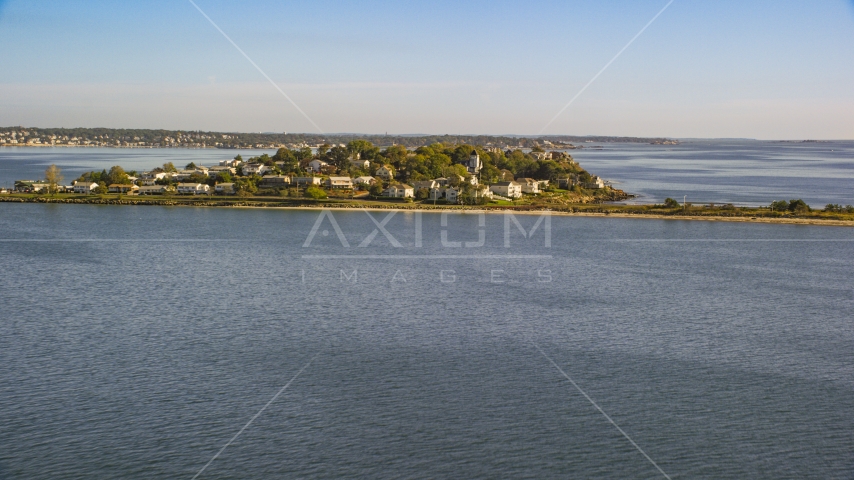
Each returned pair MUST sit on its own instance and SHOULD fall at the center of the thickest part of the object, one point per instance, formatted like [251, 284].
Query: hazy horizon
[764, 70]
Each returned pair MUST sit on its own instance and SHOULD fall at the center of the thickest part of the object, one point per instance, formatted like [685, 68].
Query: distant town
[438, 173]
[143, 138]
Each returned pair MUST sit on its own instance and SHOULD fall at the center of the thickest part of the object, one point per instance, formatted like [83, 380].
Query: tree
[245, 187]
[321, 150]
[314, 192]
[780, 206]
[287, 159]
[117, 175]
[340, 157]
[53, 176]
[422, 194]
[671, 203]
[170, 167]
[363, 149]
[101, 189]
[238, 158]
[376, 190]
[395, 155]
[190, 166]
[798, 206]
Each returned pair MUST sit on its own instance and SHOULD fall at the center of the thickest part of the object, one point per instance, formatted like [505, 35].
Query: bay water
[136, 341]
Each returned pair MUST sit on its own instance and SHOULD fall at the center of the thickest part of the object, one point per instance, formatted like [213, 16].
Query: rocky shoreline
[753, 215]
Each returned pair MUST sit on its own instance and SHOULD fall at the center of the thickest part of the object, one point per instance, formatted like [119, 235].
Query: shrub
[671, 203]
[779, 205]
[315, 193]
[798, 206]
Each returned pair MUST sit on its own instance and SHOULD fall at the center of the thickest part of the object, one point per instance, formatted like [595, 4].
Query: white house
[274, 181]
[316, 165]
[122, 188]
[529, 185]
[255, 169]
[506, 189]
[193, 188]
[85, 187]
[304, 181]
[224, 188]
[365, 180]
[152, 175]
[152, 190]
[474, 164]
[230, 163]
[428, 184]
[385, 172]
[360, 164]
[399, 191]
[340, 182]
[595, 182]
[216, 170]
[452, 194]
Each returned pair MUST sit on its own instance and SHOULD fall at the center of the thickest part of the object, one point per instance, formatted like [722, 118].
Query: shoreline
[744, 215]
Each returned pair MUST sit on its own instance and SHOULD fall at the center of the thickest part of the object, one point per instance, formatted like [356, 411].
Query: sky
[766, 69]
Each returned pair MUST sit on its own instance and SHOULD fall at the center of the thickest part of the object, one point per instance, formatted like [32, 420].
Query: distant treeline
[243, 140]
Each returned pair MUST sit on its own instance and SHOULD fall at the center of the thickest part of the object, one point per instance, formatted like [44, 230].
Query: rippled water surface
[136, 341]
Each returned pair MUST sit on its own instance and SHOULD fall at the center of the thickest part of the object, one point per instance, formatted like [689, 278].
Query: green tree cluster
[796, 206]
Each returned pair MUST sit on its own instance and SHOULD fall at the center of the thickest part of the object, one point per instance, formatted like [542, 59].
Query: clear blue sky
[761, 69]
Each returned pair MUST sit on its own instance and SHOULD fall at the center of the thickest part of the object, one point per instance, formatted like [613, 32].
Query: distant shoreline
[740, 214]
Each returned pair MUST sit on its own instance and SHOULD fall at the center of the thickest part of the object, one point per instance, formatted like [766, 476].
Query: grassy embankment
[555, 202]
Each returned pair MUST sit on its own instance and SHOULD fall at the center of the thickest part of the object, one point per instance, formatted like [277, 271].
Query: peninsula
[359, 174]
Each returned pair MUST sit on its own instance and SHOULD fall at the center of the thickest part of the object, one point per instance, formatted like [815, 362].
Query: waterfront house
[152, 176]
[153, 190]
[452, 194]
[340, 183]
[316, 165]
[254, 169]
[230, 163]
[306, 181]
[193, 188]
[224, 188]
[365, 180]
[528, 185]
[399, 191]
[566, 183]
[274, 181]
[85, 187]
[474, 164]
[122, 188]
[183, 174]
[428, 184]
[507, 189]
[216, 170]
[386, 172]
[595, 183]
